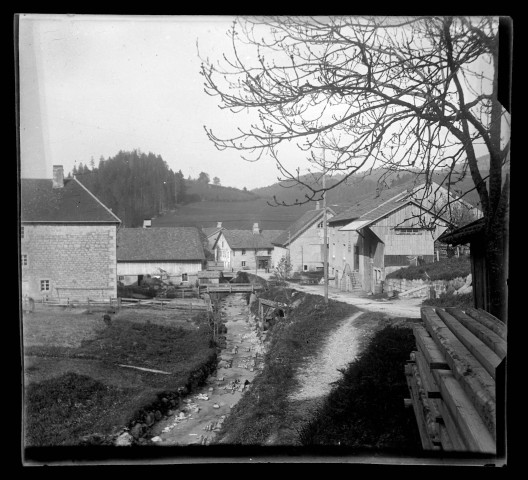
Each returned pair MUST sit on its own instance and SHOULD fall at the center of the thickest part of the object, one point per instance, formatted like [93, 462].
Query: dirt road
[205, 411]
[409, 307]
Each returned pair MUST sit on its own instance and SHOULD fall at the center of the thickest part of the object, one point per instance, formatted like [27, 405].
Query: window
[269, 251]
[243, 251]
[121, 278]
[21, 232]
[243, 264]
[320, 225]
[349, 247]
[185, 277]
[305, 267]
[44, 285]
[24, 260]
[408, 231]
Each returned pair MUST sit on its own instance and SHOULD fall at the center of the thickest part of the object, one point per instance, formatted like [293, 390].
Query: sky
[93, 85]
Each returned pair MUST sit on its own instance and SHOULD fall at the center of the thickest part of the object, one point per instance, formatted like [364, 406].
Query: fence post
[89, 310]
[118, 303]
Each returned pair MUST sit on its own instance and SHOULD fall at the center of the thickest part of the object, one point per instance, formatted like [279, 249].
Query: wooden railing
[452, 378]
[230, 287]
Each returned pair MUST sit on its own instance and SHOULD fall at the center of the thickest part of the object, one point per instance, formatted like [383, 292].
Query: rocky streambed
[202, 414]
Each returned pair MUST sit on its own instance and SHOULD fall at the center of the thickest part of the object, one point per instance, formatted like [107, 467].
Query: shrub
[450, 300]
[446, 269]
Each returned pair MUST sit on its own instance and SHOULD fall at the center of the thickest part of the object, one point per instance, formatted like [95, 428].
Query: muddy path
[202, 413]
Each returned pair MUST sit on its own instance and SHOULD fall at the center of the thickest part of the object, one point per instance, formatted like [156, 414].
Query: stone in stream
[124, 440]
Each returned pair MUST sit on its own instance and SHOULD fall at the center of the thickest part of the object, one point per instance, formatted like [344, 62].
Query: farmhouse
[175, 253]
[67, 240]
[245, 249]
[303, 241]
[381, 233]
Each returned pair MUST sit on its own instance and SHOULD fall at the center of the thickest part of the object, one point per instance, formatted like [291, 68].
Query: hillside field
[233, 215]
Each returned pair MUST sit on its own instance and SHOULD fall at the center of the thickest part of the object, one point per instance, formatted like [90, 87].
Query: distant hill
[198, 191]
[357, 186]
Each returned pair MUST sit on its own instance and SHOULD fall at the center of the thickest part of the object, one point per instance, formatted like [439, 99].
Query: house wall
[237, 258]
[277, 254]
[78, 260]
[341, 252]
[128, 271]
[306, 251]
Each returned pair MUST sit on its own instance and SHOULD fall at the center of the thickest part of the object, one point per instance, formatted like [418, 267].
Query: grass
[75, 387]
[233, 215]
[263, 410]
[446, 269]
[464, 300]
[365, 409]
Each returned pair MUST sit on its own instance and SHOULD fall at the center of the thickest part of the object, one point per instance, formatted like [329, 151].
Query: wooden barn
[173, 252]
[381, 233]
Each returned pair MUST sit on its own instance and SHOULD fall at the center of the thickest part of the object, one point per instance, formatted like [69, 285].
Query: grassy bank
[445, 269]
[463, 300]
[263, 410]
[365, 409]
[76, 386]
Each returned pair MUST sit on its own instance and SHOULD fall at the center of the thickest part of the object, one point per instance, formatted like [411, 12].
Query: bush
[446, 269]
[464, 300]
[131, 291]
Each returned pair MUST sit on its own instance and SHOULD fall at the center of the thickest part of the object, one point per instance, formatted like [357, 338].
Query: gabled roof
[248, 239]
[73, 203]
[210, 231]
[299, 226]
[159, 244]
[373, 201]
[463, 234]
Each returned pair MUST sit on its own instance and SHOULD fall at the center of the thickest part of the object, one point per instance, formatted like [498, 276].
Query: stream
[202, 413]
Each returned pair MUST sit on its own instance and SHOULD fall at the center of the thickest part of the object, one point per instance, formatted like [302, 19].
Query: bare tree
[357, 93]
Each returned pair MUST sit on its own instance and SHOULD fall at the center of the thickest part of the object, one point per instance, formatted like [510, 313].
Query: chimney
[317, 205]
[58, 176]
[218, 224]
[147, 223]
[256, 230]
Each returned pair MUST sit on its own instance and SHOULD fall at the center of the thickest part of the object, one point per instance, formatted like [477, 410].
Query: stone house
[245, 249]
[381, 233]
[174, 253]
[303, 241]
[67, 240]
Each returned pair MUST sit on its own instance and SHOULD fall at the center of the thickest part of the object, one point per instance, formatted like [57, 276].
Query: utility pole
[325, 249]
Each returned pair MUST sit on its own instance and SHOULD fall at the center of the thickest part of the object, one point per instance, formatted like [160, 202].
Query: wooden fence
[165, 304]
[452, 378]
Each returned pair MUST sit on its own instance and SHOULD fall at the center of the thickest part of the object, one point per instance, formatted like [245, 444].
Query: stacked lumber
[452, 378]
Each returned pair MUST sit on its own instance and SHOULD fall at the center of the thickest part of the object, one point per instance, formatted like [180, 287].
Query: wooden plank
[430, 386]
[486, 357]
[429, 414]
[489, 321]
[470, 424]
[146, 369]
[418, 412]
[489, 337]
[434, 356]
[474, 379]
[451, 430]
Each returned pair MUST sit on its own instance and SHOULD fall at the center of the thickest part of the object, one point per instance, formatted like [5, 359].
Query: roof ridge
[99, 201]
